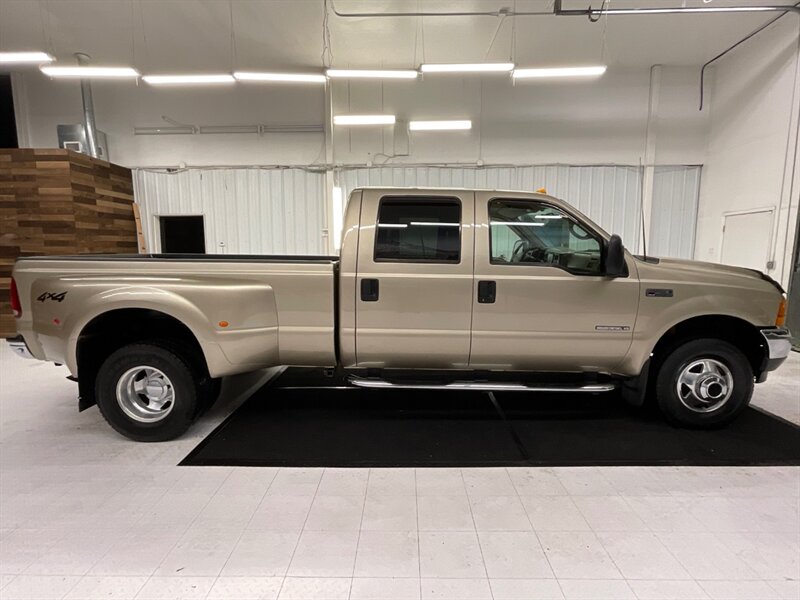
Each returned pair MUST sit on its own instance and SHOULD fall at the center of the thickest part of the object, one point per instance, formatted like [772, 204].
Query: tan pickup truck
[434, 288]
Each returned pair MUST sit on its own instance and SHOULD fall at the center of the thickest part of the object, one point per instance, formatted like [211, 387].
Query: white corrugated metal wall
[610, 195]
[247, 211]
[282, 211]
[676, 192]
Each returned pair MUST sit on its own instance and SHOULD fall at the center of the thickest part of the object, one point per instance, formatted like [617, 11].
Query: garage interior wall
[246, 211]
[745, 138]
[752, 160]
[600, 121]
[282, 211]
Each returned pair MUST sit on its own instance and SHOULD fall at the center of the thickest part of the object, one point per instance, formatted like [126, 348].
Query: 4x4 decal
[57, 296]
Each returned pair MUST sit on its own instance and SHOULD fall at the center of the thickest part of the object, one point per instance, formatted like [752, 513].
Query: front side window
[535, 233]
[418, 229]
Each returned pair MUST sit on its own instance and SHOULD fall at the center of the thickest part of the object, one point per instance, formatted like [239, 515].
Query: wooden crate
[55, 201]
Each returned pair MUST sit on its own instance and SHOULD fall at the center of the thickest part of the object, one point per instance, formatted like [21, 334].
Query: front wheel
[147, 392]
[704, 383]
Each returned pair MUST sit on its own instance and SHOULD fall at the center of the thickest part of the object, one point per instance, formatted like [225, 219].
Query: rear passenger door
[414, 285]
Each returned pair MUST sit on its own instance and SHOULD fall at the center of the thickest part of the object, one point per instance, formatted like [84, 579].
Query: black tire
[718, 413]
[181, 375]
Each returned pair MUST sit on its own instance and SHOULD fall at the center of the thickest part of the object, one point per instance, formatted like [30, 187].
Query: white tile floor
[86, 514]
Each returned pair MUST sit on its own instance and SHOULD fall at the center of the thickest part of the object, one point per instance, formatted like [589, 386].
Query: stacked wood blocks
[55, 201]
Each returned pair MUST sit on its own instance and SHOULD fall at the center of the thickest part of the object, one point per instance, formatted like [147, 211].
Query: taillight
[780, 318]
[16, 307]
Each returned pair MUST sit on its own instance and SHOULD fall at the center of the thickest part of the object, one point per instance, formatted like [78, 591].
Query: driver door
[551, 309]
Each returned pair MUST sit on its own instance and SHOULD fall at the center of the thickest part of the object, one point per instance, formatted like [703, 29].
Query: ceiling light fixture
[467, 68]
[7, 58]
[187, 79]
[439, 125]
[593, 71]
[89, 72]
[364, 120]
[280, 77]
[187, 130]
[372, 74]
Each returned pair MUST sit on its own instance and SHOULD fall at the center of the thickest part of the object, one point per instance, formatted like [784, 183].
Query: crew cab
[449, 288]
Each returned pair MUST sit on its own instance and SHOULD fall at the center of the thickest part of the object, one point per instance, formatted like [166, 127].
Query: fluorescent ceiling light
[468, 68]
[187, 79]
[24, 57]
[439, 125]
[364, 120]
[188, 130]
[372, 73]
[593, 71]
[87, 72]
[283, 77]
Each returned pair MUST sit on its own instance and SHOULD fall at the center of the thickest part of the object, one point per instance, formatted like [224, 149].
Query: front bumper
[19, 347]
[779, 344]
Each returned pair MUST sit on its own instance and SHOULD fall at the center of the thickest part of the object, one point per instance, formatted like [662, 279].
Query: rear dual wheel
[152, 393]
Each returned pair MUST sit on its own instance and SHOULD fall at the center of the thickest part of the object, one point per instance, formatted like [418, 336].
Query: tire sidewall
[670, 404]
[173, 366]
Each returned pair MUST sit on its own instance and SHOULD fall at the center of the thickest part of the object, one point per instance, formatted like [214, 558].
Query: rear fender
[234, 322]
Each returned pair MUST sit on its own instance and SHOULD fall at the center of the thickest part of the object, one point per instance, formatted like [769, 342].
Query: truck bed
[246, 311]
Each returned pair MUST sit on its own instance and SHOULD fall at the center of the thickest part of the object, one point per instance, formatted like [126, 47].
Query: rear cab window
[418, 229]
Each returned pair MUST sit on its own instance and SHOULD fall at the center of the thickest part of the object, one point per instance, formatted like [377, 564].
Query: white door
[746, 239]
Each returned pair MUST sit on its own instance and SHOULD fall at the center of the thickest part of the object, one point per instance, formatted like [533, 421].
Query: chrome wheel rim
[704, 385]
[145, 394]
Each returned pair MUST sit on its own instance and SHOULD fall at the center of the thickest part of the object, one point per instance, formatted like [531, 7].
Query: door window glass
[418, 229]
[535, 233]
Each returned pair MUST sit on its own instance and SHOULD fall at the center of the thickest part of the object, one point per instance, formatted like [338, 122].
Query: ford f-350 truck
[451, 288]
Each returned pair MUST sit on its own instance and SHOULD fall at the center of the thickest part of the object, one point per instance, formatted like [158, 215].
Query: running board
[485, 386]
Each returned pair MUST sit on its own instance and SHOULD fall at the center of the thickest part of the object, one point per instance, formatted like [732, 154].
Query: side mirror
[615, 258]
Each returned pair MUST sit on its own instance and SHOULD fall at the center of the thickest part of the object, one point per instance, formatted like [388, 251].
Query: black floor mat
[408, 428]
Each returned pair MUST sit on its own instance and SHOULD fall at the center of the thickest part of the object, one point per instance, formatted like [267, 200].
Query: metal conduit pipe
[595, 13]
[89, 127]
[736, 45]
[558, 10]
[502, 12]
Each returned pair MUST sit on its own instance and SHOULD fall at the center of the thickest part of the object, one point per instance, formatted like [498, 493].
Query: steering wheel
[521, 248]
[574, 229]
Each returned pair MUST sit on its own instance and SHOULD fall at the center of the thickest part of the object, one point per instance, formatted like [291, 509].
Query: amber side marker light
[780, 319]
[223, 323]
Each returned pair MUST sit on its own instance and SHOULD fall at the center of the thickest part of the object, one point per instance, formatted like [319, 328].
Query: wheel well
[114, 329]
[735, 331]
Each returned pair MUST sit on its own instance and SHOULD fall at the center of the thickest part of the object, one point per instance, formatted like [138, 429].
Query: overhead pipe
[89, 127]
[558, 10]
[736, 45]
[595, 13]
[502, 12]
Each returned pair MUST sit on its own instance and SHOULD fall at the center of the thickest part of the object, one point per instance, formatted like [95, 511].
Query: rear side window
[418, 229]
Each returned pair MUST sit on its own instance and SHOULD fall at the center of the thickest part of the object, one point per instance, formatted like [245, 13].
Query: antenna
[641, 208]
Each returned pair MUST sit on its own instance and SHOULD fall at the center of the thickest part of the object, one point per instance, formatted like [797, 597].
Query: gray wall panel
[250, 211]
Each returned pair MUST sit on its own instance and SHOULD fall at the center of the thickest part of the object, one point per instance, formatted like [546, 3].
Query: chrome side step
[486, 386]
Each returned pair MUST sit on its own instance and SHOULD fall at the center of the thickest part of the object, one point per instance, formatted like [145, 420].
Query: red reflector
[16, 307]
